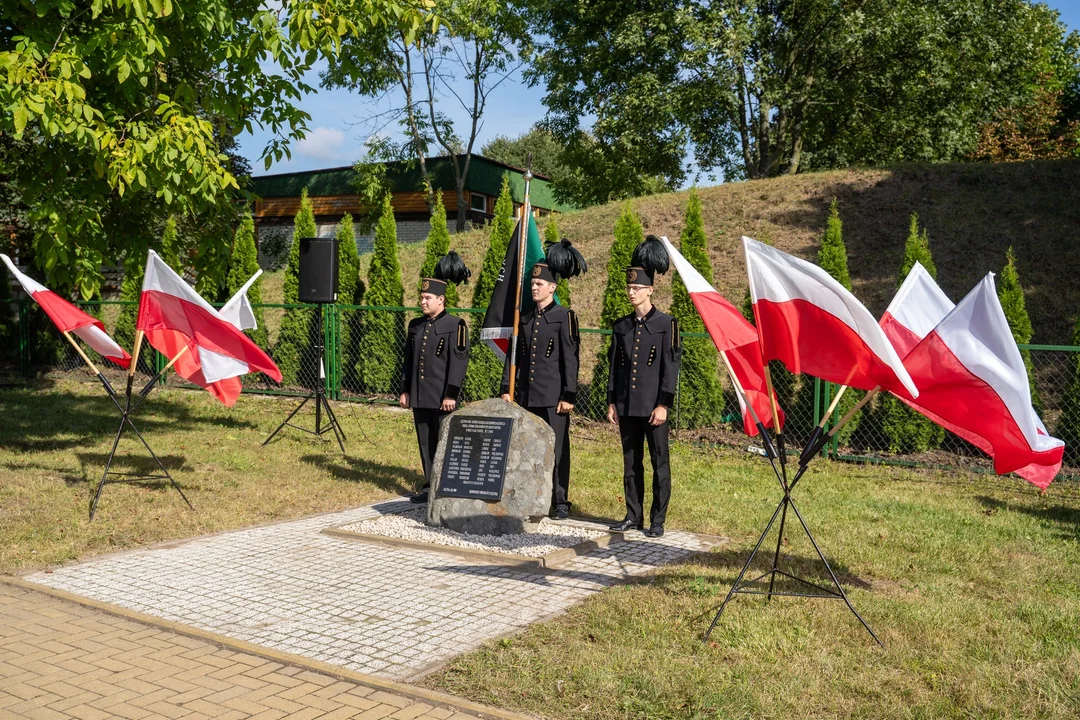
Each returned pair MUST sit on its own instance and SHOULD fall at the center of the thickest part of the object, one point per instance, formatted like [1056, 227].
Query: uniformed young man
[436, 358]
[644, 370]
[547, 362]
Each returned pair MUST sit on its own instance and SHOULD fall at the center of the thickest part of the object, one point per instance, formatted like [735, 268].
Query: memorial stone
[480, 445]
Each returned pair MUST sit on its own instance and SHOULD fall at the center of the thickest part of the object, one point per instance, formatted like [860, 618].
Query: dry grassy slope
[973, 213]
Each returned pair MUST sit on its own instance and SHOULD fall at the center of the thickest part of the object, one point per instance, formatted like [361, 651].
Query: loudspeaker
[318, 270]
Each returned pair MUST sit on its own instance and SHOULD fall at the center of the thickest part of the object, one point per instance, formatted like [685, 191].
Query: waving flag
[173, 316]
[916, 309]
[498, 324]
[971, 377]
[812, 324]
[69, 318]
[733, 336]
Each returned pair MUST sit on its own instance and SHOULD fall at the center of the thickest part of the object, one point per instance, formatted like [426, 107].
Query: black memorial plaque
[474, 465]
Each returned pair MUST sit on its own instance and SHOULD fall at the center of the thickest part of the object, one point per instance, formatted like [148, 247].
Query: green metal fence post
[825, 401]
[817, 401]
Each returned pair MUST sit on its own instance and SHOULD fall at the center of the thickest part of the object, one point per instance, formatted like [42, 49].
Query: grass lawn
[971, 581]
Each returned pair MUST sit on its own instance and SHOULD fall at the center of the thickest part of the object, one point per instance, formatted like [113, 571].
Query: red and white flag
[174, 316]
[69, 318]
[916, 309]
[972, 380]
[811, 323]
[733, 336]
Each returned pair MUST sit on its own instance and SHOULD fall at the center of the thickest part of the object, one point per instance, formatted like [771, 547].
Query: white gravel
[410, 525]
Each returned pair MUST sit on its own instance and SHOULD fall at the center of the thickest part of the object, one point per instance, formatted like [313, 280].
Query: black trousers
[560, 480]
[634, 432]
[427, 422]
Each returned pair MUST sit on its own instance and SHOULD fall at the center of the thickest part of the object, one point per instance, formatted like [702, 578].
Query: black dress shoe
[562, 512]
[655, 531]
[420, 497]
[627, 524]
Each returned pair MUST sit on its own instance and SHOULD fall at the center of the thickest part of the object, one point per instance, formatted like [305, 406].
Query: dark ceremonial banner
[475, 462]
[499, 318]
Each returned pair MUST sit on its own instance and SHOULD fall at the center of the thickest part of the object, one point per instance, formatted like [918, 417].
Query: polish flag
[69, 318]
[971, 376]
[814, 325]
[173, 316]
[733, 336]
[916, 309]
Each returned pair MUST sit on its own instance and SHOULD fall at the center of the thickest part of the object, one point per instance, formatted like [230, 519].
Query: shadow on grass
[392, 478]
[727, 562]
[1066, 518]
[58, 421]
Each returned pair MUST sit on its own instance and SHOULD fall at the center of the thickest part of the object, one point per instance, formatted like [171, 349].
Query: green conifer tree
[485, 370]
[628, 234]
[437, 245]
[1068, 428]
[294, 352]
[382, 341]
[1011, 296]
[904, 430]
[701, 396]
[243, 263]
[832, 258]
[349, 321]
[551, 235]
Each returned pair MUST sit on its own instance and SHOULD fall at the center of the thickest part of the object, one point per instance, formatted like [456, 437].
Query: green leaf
[20, 120]
[123, 70]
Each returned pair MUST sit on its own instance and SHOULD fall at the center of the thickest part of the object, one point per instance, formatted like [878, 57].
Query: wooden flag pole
[82, 354]
[522, 244]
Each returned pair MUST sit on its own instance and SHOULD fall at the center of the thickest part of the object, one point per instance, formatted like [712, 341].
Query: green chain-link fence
[364, 348]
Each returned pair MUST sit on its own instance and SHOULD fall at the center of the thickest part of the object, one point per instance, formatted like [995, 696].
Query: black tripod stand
[126, 409]
[319, 396]
[746, 587]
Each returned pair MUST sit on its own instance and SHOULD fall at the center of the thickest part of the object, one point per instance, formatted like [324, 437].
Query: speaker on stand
[318, 285]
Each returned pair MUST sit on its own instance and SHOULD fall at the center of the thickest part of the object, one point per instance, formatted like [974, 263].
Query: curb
[412, 692]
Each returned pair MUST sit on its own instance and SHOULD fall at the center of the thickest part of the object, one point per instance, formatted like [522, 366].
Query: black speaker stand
[319, 396]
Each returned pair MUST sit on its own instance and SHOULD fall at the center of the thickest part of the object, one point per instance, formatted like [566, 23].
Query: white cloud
[322, 143]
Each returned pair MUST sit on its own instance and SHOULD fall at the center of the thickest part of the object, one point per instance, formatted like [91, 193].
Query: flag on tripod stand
[498, 324]
[811, 323]
[971, 377]
[733, 336]
[173, 317]
[69, 318]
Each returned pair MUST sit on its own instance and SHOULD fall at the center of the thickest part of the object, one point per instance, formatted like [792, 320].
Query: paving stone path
[388, 611]
[59, 659]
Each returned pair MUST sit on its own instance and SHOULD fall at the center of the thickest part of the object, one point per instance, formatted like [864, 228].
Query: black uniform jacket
[436, 357]
[547, 359]
[644, 363]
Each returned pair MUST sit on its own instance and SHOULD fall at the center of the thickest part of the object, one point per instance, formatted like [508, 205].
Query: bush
[903, 429]
[8, 313]
[832, 257]
[437, 245]
[294, 349]
[1068, 428]
[551, 235]
[243, 263]
[382, 340]
[130, 289]
[628, 233]
[1011, 296]
[701, 396]
[485, 370]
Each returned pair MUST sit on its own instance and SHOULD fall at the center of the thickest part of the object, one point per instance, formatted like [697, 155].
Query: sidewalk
[63, 659]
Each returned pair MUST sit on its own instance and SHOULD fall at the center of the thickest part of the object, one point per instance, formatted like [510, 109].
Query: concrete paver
[59, 659]
[388, 611]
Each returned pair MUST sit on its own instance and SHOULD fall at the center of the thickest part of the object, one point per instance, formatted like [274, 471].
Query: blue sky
[335, 138]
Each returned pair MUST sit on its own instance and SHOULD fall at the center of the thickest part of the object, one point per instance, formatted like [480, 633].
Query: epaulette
[462, 334]
[574, 332]
[676, 338]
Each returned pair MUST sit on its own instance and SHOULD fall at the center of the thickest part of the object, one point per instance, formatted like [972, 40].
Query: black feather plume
[650, 255]
[565, 260]
[451, 268]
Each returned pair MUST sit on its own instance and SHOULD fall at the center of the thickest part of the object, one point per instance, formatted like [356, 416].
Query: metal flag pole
[523, 236]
